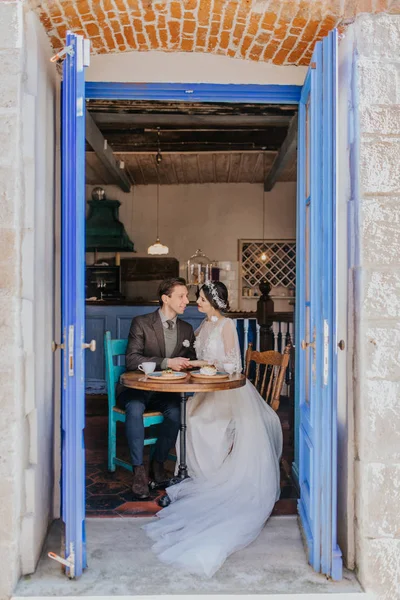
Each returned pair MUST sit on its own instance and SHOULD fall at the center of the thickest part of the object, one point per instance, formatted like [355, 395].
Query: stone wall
[376, 279]
[26, 291]
[11, 348]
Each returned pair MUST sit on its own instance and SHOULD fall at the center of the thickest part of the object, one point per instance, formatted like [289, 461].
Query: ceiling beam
[110, 120]
[286, 154]
[128, 140]
[105, 154]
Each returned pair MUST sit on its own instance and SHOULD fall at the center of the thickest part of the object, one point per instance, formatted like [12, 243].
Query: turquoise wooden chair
[115, 348]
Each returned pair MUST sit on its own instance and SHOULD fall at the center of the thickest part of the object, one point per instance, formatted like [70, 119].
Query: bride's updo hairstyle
[217, 295]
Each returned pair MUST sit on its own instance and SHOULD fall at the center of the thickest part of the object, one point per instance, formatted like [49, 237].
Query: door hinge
[68, 562]
[67, 50]
[326, 352]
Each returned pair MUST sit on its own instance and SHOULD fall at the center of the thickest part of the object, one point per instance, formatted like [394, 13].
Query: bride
[234, 443]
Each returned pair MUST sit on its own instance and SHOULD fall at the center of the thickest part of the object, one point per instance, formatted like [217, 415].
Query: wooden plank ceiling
[199, 143]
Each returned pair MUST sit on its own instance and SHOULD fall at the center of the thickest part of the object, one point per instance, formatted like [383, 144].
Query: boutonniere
[186, 343]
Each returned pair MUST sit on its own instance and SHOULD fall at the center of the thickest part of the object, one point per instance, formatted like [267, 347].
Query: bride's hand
[197, 363]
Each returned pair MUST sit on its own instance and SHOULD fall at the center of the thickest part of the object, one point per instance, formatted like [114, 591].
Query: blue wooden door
[316, 310]
[73, 302]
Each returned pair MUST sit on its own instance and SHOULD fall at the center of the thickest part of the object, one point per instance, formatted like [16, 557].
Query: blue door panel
[315, 457]
[72, 299]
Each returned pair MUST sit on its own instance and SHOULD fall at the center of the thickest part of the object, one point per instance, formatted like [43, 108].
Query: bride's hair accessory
[214, 294]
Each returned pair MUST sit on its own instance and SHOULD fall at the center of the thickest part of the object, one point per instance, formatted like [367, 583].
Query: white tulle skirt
[234, 443]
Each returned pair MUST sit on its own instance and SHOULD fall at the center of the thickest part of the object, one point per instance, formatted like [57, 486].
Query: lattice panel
[280, 267]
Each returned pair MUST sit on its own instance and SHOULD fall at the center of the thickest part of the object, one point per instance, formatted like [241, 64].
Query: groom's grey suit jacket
[146, 342]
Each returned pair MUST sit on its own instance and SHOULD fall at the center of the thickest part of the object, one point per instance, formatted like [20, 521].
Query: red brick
[55, 10]
[187, 45]
[229, 16]
[124, 19]
[56, 43]
[270, 50]
[297, 51]
[149, 16]
[299, 22]
[189, 26]
[120, 41]
[163, 37]
[289, 42]
[310, 31]
[280, 56]
[115, 26]
[246, 44]
[141, 40]
[128, 33]
[152, 33]
[204, 12]
[120, 5]
[109, 38]
[263, 38]
[256, 52]
[97, 43]
[176, 10]
[253, 25]
[268, 21]
[174, 31]
[214, 29]
[224, 42]
[107, 5]
[201, 37]
[137, 25]
[190, 4]
[212, 42]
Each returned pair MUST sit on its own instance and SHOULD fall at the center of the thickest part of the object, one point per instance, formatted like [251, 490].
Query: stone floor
[121, 564]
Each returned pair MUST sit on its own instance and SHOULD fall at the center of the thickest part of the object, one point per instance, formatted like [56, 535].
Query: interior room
[201, 191]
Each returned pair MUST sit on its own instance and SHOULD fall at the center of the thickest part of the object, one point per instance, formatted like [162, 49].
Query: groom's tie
[170, 324]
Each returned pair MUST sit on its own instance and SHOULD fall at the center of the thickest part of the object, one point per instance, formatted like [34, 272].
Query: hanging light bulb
[158, 248]
[263, 257]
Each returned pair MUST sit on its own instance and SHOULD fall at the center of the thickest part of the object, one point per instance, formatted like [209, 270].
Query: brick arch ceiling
[283, 32]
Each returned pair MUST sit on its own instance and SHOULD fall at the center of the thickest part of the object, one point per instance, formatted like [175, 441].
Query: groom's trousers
[135, 402]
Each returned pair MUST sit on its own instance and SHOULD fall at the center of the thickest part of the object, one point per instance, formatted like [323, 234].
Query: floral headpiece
[214, 293]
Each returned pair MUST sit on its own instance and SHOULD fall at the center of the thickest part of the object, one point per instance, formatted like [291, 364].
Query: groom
[162, 338]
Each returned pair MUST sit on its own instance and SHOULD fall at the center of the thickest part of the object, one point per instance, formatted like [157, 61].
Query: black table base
[182, 469]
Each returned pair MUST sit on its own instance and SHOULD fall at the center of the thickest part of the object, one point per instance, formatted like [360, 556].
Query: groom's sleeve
[135, 349]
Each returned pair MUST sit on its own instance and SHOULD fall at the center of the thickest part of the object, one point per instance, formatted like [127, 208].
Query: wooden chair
[270, 372]
[114, 348]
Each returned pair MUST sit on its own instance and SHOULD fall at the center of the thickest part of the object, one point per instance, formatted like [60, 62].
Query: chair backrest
[113, 372]
[270, 372]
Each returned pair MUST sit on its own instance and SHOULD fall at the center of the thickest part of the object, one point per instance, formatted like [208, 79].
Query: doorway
[316, 470]
[224, 174]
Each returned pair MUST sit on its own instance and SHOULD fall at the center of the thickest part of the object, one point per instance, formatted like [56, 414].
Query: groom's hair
[167, 287]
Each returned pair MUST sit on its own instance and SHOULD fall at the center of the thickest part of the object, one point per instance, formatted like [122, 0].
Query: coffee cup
[147, 367]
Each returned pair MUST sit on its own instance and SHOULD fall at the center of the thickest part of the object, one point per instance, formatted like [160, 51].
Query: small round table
[189, 385]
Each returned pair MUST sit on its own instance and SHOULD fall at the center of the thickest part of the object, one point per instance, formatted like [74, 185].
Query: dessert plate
[176, 375]
[218, 375]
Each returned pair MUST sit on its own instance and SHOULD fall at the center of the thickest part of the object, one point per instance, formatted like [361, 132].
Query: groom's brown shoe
[157, 472]
[140, 484]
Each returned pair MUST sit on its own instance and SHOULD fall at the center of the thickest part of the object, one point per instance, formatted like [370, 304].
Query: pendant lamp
[158, 248]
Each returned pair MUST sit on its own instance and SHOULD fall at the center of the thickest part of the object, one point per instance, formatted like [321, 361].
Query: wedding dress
[234, 443]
